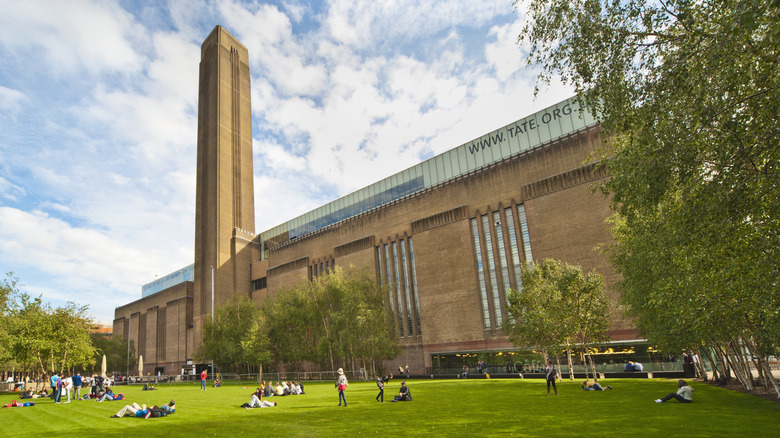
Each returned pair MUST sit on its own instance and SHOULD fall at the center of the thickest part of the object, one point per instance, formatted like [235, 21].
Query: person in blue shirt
[77, 385]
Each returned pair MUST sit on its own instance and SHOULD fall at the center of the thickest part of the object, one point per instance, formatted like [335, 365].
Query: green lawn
[509, 407]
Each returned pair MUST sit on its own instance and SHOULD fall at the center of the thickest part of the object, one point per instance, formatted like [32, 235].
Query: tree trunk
[593, 366]
[585, 362]
[260, 373]
[571, 365]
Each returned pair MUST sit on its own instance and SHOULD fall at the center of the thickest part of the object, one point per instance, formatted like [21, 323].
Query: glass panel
[414, 288]
[492, 268]
[480, 273]
[514, 246]
[405, 274]
[397, 282]
[524, 231]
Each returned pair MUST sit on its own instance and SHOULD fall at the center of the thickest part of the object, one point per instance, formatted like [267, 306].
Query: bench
[627, 375]
[668, 374]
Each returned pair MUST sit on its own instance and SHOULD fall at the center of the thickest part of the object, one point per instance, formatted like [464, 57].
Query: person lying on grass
[257, 401]
[134, 411]
[593, 385]
[684, 393]
[143, 412]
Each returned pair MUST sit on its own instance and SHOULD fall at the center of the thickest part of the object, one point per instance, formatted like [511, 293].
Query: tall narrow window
[397, 282]
[414, 287]
[480, 273]
[405, 273]
[379, 263]
[514, 245]
[388, 270]
[501, 252]
[529, 257]
[492, 274]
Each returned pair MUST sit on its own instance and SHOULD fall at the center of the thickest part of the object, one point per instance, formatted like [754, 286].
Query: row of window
[397, 272]
[496, 255]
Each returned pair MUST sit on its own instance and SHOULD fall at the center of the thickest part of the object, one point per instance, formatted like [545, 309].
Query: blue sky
[98, 119]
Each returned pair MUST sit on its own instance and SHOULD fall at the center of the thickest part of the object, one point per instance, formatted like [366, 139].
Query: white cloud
[85, 35]
[11, 101]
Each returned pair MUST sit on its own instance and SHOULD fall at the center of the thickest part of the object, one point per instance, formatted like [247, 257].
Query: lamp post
[212, 312]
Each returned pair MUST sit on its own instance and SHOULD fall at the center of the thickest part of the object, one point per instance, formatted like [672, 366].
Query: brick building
[448, 235]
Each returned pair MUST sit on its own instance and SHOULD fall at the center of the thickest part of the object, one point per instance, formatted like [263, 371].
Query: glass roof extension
[542, 127]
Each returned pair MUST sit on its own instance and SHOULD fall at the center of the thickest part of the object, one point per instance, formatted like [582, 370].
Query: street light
[212, 312]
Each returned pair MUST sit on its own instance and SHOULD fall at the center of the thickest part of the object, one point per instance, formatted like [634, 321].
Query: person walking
[341, 385]
[551, 375]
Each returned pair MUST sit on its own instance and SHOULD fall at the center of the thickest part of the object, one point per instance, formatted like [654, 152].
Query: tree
[225, 339]
[558, 308]
[8, 292]
[119, 355]
[338, 317]
[256, 346]
[689, 95]
[36, 337]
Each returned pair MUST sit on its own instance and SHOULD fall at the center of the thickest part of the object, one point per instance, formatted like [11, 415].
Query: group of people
[267, 389]
[634, 366]
[281, 388]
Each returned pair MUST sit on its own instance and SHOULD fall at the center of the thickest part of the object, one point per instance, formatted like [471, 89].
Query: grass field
[510, 407]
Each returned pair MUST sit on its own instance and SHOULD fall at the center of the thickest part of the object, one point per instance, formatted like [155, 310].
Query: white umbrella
[141, 365]
[103, 367]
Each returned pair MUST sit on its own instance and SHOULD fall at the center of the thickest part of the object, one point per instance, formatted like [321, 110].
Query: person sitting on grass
[257, 401]
[268, 389]
[593, 385]
[684, 393]
[279, 390]
[217, 383]
[403, 394]
[148, 387]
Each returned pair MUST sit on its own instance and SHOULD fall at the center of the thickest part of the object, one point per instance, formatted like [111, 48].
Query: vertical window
[480, 273]
[405, 265]
[397, 282]
[414, 287]
[379, 263]
[389, 278]
[529, 257]
[513, 245]
[492, 274]
[501, 252]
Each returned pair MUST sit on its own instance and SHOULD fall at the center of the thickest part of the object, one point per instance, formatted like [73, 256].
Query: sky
[98, 119]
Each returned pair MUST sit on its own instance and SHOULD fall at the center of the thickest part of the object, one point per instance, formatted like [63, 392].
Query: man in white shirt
[67, 385]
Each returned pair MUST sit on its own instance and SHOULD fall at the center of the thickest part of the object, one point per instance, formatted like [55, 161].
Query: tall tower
[224, 206]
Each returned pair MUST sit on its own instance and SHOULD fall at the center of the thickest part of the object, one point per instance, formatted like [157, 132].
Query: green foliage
[558, 308]
[235, 338]
[119, 356]
[689, 96]
[337, 318]
[37, 337]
